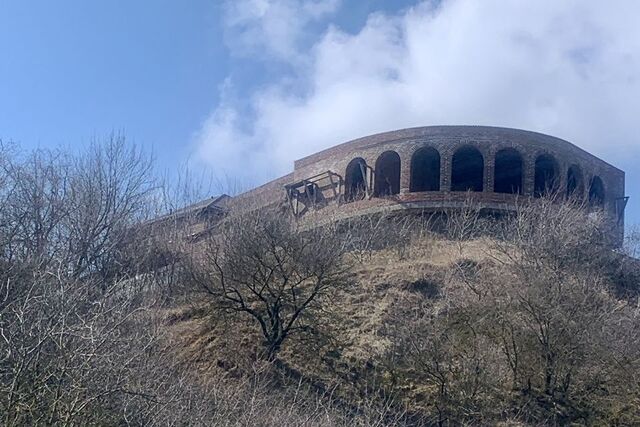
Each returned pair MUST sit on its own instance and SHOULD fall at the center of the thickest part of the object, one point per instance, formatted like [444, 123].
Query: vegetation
[260, 266]
[458, 319]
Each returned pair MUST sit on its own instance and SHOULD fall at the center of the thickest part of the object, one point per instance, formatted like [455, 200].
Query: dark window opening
[387, 174]
[546, 175]
[355, 180]
[575, 185]
[596, 192]
[508, 172]
[425, 170]
[467, 170]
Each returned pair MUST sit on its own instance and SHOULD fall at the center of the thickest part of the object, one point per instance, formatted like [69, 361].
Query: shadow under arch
[387, 174]
[508, 171]
[546, 175]
[467, 169]
[355, 180]
[575, 182]
[425, 170]
[596, 192]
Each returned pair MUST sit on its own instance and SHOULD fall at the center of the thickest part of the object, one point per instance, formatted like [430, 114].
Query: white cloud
[272, 27]
[569, 68]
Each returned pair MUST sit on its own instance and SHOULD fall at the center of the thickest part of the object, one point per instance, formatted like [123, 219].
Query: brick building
[434, 168]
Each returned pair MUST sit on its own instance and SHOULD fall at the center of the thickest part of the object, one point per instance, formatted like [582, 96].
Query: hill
[466, 317]
[523, 320]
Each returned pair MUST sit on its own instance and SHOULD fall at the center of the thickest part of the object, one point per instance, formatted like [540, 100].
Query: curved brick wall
[446, 140]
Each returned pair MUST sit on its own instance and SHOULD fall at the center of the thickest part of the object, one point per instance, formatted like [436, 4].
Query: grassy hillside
[440, 329]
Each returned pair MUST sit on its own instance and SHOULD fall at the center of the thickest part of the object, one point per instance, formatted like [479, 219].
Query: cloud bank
[569, 68]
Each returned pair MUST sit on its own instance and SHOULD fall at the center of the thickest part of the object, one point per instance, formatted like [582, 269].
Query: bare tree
[559, 318]
[67, 295]
[530, 329]
[260, 265]
[109, 192]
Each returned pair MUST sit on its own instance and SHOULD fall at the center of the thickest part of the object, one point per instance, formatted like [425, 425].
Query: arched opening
[425, 170]
[575, 184]
[467, 170]
[355, 186]
[596, 192]
[546, 175]
[387, 174]
[508, 172]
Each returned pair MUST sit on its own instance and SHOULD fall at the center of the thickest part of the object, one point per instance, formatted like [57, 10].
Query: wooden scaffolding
[313, 192]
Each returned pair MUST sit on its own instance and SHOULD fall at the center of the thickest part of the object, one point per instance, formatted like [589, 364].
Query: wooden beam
[363, 171]
[333, 186]
[293, 210]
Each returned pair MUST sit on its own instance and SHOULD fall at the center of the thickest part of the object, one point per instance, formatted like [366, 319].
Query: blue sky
[72, 70]
[230, 86]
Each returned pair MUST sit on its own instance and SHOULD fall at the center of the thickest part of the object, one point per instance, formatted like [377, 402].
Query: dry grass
[386, 278]
[215, 345]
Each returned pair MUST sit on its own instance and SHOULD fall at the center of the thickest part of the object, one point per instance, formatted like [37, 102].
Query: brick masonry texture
[446, 140]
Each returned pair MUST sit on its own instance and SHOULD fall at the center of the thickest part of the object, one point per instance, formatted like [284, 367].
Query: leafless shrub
[632, 243]
[66, 309]
[260, 265]
[559, 314]
[363, 235]
[464, 222]
[534, 332]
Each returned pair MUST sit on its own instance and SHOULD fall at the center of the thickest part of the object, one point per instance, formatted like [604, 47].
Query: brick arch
[468, 169]
[355, 180]
[387, 174]
[508, 171]
[597, 192]
[425, 169]
[546, 174]
[575, 181]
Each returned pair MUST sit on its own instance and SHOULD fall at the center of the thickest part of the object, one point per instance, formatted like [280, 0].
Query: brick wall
[446, 140]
